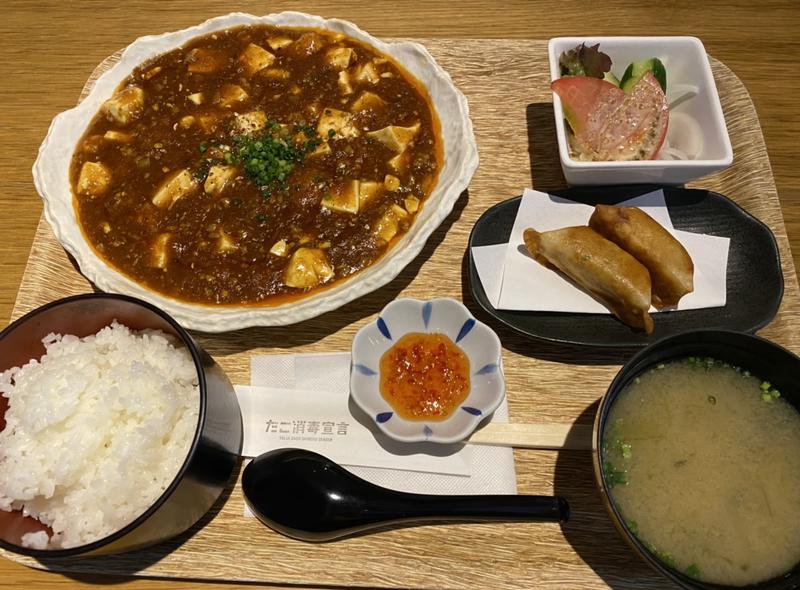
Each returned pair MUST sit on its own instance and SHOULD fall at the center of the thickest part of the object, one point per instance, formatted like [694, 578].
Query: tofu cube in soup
[352, 197]
[225, 243]
[368, 100]
[159, 253]
[125, 106]
[94, 180]
[176, 186]
[232, 95]
[344, 82]
[340, 122]
[394, 137]
[339, 57]
[400, 162]
[391, 182]
[367, 191]
[412, 204]
[279, 248]
[249, 123]
[307, 45]
[255, 58]
[117, 136]
[275, 73]
[205, 61]
[209, 122]
[389, 224]
[218, 177]
[308, 267]
[276, 43]
[367, 73]
[345, 200]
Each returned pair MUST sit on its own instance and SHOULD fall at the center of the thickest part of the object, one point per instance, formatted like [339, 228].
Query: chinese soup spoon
[309, 497]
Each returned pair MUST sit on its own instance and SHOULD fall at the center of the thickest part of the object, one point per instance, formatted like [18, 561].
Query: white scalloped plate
[51, 177]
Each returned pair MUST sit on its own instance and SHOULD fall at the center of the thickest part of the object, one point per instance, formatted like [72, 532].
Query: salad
[611, 118]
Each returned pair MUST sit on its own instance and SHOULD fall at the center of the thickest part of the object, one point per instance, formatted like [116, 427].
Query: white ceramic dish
[51, 177]
[696, 123]
[446, 316]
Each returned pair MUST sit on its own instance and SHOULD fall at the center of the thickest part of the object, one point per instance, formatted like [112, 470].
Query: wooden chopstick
[535, 436]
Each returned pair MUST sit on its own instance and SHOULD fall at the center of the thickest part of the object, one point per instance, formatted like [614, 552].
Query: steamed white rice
[95, 431]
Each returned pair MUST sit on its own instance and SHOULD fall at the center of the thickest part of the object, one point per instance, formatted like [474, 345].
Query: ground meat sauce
[255, 165]
[424, 376]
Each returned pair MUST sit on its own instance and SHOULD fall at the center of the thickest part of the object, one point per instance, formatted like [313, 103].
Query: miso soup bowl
[213, 452]
[761, 357]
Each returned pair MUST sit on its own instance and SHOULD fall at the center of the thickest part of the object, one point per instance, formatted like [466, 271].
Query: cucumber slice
[609, 77]
[635, 71]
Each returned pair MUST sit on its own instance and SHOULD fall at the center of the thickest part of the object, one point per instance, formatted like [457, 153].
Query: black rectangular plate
[754, 277]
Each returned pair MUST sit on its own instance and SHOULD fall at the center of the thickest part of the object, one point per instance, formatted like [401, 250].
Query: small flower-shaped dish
[444, 316]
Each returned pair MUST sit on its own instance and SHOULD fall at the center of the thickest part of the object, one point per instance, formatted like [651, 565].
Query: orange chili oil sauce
[424, 376]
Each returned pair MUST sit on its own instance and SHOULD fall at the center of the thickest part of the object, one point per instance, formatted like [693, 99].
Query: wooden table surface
[49, 48]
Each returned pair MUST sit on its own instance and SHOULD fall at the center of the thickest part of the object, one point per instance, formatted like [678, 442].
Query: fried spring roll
[602, 268]
[671, 268]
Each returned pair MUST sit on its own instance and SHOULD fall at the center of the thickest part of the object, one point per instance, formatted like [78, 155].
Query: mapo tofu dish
[256, 165]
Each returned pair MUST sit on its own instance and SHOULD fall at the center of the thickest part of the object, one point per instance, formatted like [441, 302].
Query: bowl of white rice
[116, 430]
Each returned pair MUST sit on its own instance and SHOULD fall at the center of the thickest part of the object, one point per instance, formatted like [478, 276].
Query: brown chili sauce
[255, 165]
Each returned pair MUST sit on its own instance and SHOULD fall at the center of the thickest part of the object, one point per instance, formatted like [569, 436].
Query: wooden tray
[507, 84]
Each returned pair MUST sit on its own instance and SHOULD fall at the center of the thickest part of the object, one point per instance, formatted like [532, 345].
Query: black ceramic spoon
[309, 497]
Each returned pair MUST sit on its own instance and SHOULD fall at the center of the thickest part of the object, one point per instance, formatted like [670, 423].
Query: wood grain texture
[506, 83]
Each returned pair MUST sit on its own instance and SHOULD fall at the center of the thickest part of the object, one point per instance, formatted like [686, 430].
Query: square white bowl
[696, 123]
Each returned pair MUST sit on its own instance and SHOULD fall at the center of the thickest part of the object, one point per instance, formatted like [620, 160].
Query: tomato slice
[610, 124]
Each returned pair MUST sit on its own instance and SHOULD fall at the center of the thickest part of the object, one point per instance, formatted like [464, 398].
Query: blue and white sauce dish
[444, 316]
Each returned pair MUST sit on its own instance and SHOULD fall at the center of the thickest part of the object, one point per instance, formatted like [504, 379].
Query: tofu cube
[367, 191]
[232, 95]
[117, 136]
[352, 197]
[218, 177]
[339, 57]
[367, 73]
[186, 122]
[208, 121]
[344, 200]
[400, 162]
[307, 268]
[249, 123]
[394, 137]
[368, 100]
[204, 61]
[344, 83]
[275, 74]
[412, 204]
[279, 248]
[94, 179]
[175, 187]
[255, 58]
[125, 106]
[276, 43]
[389, 224]
[341, 122]
[225, 243]
[392, 183]
[159, 251]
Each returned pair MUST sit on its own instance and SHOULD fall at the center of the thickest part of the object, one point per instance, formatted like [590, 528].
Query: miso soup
[703, 461]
